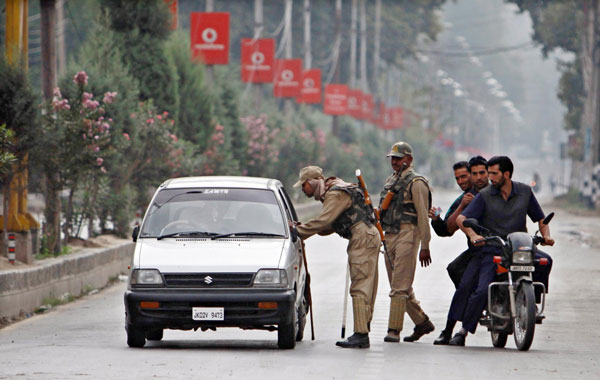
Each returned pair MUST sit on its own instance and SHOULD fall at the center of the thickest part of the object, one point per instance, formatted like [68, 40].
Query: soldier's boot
[424, 328]
[360, 338]
[396, 321]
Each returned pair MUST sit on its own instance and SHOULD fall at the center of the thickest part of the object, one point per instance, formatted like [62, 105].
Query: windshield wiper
[245, 234]
[186, 233]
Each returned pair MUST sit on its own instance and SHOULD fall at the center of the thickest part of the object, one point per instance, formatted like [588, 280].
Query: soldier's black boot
[356, 340]
[420, 330]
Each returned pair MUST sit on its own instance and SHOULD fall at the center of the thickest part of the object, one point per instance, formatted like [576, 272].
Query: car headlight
[146, 277]
[271, 277]
[522, 257]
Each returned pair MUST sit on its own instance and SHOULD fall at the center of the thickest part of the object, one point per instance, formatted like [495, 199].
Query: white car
[217, 252]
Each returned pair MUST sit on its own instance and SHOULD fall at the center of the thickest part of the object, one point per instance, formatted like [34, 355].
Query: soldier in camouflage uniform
[345, 212]
[406, 227]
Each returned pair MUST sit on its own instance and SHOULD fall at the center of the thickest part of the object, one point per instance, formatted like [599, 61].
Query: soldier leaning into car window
[345, 212]
[406, 228]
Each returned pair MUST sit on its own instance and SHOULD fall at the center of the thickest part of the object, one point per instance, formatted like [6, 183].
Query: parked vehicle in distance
[216, 252]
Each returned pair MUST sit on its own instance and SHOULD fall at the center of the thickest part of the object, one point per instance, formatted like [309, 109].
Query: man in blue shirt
[477, 171]
[501, 208]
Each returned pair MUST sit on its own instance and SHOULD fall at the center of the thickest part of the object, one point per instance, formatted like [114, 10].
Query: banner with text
[288, 73]
[258, 59]
[355, 103]
[336, 99]
[310, 91]
[209, 34]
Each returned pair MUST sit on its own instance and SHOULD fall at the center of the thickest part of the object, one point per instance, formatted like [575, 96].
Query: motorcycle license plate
[522, 268]
[208, 313]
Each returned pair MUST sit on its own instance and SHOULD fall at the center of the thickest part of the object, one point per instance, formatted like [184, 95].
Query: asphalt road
[86, 339]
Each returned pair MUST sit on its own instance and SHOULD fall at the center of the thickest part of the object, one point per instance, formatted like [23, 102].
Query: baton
[308, 293]
[345, 300]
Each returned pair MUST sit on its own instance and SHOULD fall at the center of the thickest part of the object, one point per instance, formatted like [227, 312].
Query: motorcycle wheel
[524, 321]
[499, 339]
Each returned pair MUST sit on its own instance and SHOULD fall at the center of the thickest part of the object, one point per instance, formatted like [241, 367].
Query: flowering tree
[262, 150]
[74, 135]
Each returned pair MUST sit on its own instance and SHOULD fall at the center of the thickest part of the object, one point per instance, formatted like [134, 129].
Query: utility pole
[287, 35]
[258, 31]
[210, 7]
[60, 45]
[353, 17]
[377, 47]
[338, 37]
[364, 83]
[307, 51]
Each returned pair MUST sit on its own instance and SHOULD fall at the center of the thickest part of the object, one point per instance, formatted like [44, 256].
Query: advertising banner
[310, 92]
[355, 103]
[336, 99]
[258, 59]
[209, 34]
[368, 106]
[286, 83]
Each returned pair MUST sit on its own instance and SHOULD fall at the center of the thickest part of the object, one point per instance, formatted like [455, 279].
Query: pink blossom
[80, 78]
[219, 127]
[56, 92]
[173, 137]
[159, 117]
[91, 104]
[133, 116]
[150, 121]
[84, 136]
[103, 170]
[109, 97]
[105, 127]
[86, 96]
[96, 137]
[96, 149]
[99, 161]
[126, 135]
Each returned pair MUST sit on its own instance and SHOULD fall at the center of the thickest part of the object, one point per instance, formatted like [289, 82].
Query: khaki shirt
[420, 197]
[334, 204]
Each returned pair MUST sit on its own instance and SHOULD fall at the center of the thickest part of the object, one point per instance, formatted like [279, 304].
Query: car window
[289, 204]
[219, 211]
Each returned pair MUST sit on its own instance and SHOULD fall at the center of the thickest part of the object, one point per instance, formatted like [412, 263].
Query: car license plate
[522, 268]
[208, 313]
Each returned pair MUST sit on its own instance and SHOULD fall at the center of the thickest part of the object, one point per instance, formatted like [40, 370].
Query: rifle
[363, 186]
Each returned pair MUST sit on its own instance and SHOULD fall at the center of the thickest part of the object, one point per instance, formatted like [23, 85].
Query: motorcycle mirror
[548, 218]
[471, 223]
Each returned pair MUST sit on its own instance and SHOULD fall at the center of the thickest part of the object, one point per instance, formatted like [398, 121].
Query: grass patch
[45, 253]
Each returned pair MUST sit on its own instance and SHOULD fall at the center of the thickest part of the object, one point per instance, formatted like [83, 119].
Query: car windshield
[212, 212]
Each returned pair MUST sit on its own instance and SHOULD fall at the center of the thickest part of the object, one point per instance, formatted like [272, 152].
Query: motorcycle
[511, 307]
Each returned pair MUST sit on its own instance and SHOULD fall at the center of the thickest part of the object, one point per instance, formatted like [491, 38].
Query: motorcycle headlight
[146, 277]
[522, 257]
[271, 277]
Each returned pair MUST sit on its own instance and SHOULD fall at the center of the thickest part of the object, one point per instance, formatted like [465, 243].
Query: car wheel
[135, 336]
[286, 332]
[301, 320]
[156, 334]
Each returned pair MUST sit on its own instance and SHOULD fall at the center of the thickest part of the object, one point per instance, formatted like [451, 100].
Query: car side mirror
[135, 233]
[294, 233]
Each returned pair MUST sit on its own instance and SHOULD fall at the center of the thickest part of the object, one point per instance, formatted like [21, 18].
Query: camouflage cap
[400, 149]
[309, 172]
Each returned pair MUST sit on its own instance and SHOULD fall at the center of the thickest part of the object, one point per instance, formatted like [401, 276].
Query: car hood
[205, 255]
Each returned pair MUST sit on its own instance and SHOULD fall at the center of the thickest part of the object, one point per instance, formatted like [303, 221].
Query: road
[86, 339]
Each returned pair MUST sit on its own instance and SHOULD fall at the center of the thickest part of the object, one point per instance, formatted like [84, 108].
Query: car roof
[221, 181]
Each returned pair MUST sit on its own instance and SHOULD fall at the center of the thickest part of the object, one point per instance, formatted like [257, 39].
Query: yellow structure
[19, 220]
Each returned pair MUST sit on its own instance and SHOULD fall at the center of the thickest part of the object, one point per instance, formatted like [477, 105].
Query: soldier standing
[345, 212]
[406, 226]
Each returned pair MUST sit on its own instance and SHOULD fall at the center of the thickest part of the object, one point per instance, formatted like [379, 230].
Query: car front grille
[208, 280]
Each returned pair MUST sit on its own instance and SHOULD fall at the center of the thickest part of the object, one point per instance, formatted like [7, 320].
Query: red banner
[378, 114]
[355, 103]
[258, 59]
[397, 117]
[368, 107]
[288, 73]
[310, 90]
[210, 37]
[172, 4]
[336, 99]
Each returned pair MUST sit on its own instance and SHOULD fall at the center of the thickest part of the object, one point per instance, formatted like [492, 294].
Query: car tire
[155, 334]
[301, 320]
[135, 336]
[286, 332]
